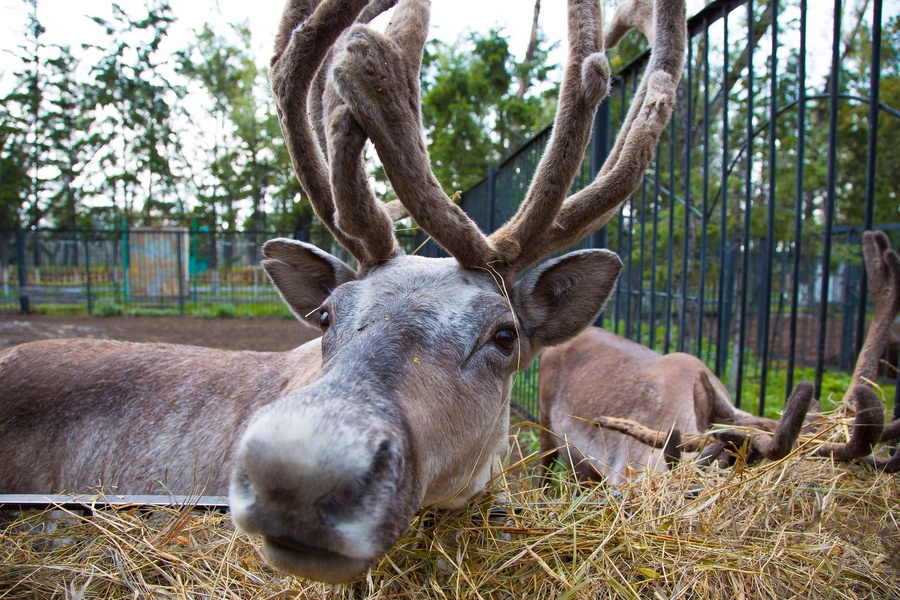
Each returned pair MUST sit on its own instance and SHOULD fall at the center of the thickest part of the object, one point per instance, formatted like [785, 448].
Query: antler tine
[891, 431]
[673, 443]
[883, 271]
[303, 48]
[651, 108]
[378, 79]
[630, 14]
[585, 84]
[784, 432]
[868, 425]
[780, 443]
[317, 92]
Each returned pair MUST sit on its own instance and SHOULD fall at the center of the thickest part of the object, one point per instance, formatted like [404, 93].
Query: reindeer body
[600, 374]
[136, 418]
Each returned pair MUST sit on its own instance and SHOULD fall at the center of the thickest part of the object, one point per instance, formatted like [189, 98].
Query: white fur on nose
[295, 459]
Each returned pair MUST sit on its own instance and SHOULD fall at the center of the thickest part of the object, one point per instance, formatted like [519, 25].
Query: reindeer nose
[328, 489]
[309, 478]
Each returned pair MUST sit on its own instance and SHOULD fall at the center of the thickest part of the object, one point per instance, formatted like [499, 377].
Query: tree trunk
[525, 80]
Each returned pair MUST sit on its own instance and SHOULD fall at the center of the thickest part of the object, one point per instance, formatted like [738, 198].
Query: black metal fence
[174, 269]
[742, 245]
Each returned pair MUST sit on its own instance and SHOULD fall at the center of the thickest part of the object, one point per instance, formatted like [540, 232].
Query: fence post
[87, 273]
[599, 152]
[20, 264]
[126, 291]
[492, 197]
[178, 249]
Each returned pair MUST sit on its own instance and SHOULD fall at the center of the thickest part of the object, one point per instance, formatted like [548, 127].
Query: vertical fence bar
[621, 241]
[126, 291]
[654, 245]
[688, 141]
[24, 308]
[748, 191]
[704, 219]
[722, 333]
[599, 153]
[670, 267]
[87, 272]
[179, 249]
[641, 257]
[871, 157]
[829, 193]
[798, 201]
[770, 217]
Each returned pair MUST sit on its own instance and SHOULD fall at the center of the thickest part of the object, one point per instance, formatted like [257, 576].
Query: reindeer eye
[506, 338]
[324, 320]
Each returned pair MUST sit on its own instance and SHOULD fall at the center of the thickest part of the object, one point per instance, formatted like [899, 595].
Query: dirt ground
[268, 334]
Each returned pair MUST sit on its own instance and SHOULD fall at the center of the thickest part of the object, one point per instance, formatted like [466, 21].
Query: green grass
[109, 307]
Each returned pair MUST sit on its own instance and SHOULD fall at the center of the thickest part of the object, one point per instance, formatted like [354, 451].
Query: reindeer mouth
[321, 564]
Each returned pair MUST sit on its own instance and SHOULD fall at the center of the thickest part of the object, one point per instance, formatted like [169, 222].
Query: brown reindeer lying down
[610, 406]
[328, 451]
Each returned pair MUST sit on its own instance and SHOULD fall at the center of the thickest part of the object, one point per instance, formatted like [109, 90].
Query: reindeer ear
[563, 296]
[304, 275]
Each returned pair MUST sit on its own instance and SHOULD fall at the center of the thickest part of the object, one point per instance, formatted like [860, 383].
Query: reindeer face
[412, 401]
[411, 407]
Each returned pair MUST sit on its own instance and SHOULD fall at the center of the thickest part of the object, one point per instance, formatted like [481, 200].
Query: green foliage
[61, 310]
[216, 311]
[108, 309]
[246, 155]
[139, 103]
[149, 311]
[472, 114]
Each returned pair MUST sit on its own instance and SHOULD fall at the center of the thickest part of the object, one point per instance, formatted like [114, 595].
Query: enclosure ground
[263, 334]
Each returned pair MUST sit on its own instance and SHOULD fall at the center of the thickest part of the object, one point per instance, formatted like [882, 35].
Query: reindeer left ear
[303, 275]
[563, 296]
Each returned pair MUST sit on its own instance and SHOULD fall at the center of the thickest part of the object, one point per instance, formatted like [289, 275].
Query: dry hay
[801, 527]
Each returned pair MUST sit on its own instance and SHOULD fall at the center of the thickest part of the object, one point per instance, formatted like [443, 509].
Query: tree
[471, 109]
[139, 101]
[242, 159]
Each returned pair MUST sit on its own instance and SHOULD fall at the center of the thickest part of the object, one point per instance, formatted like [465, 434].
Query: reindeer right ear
[564, 295]
[303, 275]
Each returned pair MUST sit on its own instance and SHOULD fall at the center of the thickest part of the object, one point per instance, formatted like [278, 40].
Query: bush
[108, 309]
[142, 311]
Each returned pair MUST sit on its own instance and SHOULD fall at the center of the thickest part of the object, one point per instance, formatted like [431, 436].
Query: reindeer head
[417, 355]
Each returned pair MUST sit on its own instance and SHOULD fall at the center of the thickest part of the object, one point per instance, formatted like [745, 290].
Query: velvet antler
[376, 77]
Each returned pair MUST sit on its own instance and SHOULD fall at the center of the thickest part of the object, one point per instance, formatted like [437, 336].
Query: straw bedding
[801, 527]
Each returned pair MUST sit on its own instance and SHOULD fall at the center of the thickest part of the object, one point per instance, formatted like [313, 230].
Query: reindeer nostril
[348, 498]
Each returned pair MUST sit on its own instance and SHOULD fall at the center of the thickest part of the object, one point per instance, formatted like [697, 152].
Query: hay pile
[800, 527]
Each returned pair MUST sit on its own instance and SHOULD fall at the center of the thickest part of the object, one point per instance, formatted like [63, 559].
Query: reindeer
[328, 451]
[645, 402]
